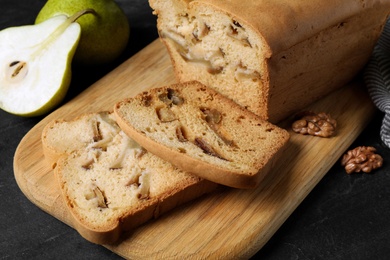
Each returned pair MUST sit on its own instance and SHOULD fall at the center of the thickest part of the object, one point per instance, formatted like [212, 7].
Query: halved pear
[35, 65]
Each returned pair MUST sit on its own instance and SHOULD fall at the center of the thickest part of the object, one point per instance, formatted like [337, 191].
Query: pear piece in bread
[110, 183]
[202, 132]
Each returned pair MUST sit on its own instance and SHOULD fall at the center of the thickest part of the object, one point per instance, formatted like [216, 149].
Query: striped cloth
[377, 80]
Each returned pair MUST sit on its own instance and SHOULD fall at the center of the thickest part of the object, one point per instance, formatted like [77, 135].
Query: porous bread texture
[109, 182]
[272, 57]
[66, 136]
[203, 132]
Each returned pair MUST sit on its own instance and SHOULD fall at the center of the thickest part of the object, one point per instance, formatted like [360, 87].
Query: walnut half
[320, 124]
[362, 158]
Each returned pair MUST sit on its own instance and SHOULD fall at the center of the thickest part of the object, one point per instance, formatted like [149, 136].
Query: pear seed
[13, 63]
[18, 68]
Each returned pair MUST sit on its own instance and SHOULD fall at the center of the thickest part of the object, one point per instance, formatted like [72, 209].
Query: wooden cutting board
[226, 224]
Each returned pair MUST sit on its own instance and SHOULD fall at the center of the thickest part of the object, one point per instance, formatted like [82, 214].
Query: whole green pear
[104, 34]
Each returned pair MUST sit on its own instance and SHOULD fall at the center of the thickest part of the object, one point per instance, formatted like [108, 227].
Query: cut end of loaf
[272, 57]
[221, 52]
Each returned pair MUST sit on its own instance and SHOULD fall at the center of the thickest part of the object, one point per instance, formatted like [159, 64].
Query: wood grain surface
[227, 224]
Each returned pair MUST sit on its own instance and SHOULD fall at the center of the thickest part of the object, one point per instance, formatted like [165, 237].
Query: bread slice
[272, 57]
[203, 132]
[109, 182]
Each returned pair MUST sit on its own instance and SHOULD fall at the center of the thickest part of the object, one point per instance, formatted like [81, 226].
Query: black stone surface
[344, 217]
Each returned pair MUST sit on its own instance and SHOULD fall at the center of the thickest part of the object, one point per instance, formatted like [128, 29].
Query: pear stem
[77, 15]
[60, 29]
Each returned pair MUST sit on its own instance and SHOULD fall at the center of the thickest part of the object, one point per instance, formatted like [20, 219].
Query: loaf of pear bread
[201, 131]
[272, 57]
[109, 182]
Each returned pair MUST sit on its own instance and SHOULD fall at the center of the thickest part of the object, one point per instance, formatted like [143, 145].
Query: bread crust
[246, 164]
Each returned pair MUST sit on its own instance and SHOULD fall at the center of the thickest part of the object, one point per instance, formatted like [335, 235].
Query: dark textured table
[344, 217]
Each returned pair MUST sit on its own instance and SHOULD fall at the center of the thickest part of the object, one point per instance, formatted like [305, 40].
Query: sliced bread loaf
[202, 132]
[109, 182]
[272, 57]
